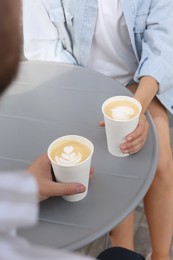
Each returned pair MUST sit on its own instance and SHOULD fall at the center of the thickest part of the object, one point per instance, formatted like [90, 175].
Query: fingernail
[129, 138]
[80, 189]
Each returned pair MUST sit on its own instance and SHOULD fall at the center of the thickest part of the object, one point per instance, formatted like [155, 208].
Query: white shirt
[111, 51]
[19, 208]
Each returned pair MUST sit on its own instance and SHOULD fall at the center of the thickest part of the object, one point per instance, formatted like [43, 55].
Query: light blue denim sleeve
[44, 31]
[157, 45]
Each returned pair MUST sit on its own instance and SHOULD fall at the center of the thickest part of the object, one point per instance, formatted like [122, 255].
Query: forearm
[146, 91]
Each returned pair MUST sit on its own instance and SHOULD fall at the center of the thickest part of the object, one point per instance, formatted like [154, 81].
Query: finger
[141, 128]
[63, 189]
[136, 134]
[102, 123]
[91, 173]
[44, 159]
[135, 148]
[135, 145]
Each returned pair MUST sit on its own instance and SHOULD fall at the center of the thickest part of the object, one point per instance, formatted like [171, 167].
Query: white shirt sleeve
[18, 200]
[15, 248]
[18, 208]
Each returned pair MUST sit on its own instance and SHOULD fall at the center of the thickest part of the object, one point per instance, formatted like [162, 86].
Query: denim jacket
[62, 31]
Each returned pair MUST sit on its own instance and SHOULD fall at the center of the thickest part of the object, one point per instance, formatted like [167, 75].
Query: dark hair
[9, 41]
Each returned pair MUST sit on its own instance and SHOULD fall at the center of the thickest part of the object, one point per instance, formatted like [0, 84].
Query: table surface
[48, 100]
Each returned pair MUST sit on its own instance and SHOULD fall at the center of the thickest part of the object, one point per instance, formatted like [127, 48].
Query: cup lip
[124, 98]
[77, 137]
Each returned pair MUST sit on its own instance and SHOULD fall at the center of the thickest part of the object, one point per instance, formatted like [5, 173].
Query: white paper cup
[73, 173]
[116, 129]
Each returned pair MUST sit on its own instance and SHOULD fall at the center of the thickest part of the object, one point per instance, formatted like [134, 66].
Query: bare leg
[122, 235]
[158, 201]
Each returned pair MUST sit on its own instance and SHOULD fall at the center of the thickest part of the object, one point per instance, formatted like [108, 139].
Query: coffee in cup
[69, 152]
[121, 116]
[121, 110]
[70, 157]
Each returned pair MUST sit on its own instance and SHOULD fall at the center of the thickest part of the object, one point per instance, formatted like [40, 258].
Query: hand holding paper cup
[121, 115]
[70, 157]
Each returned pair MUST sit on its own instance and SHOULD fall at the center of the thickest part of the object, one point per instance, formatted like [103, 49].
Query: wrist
[146, 91]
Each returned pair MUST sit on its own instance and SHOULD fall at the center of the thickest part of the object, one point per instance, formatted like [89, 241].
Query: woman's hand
[135, 140]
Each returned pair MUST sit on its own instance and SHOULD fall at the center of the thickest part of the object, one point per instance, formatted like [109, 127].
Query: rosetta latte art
[122, 113]
[69, 156]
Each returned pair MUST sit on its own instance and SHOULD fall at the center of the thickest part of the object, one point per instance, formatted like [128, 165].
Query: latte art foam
[69, 152]
[68, 156]
[122, 113]
[121, 110]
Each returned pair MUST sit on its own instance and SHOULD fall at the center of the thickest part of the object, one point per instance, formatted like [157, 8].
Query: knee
[164, 171]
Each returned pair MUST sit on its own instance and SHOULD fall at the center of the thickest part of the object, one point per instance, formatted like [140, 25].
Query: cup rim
[124, 98]
[77, 137]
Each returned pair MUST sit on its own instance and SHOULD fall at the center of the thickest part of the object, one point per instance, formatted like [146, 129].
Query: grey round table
[48, 100]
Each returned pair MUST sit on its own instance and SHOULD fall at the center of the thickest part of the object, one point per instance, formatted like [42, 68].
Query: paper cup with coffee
[70, 157]
[121, 115]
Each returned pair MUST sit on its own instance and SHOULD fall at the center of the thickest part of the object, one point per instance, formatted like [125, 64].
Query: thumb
[63, 189]
[102, 123]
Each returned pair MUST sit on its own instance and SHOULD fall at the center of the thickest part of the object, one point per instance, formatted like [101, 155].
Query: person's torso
[76, 21]
[111, 51]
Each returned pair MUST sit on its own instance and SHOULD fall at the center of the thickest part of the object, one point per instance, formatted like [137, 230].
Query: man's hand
[42, 171]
